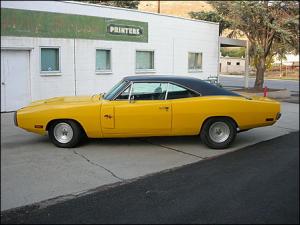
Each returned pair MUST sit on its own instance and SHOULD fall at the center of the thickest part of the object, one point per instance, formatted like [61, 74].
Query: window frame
[50, 73]
[145, 70]
[110, 71]
[166, 96]
[195, 70]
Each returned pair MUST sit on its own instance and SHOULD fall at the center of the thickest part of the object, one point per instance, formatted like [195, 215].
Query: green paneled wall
[28, 23]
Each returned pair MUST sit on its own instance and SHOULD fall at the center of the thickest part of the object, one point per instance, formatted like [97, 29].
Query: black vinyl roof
[200, 86]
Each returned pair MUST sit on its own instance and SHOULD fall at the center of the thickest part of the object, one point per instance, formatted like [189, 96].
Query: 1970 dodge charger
[140, 106]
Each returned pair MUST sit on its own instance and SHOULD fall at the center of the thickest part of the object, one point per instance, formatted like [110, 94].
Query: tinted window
[195, 61]
[144, 60]
[103, 60]
[50, 59]
[176, 92]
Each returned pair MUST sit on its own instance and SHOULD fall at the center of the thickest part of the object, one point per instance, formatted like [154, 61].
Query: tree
[266, 24]
[233, 52]
[122, 4]
[213, 17]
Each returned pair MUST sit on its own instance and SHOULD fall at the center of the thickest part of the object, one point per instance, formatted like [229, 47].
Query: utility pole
[158, 6]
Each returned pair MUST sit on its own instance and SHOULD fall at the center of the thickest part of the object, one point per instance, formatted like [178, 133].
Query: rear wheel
[65, 133]
[218, 133]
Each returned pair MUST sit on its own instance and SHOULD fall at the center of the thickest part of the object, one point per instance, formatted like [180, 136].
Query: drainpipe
[74, 61]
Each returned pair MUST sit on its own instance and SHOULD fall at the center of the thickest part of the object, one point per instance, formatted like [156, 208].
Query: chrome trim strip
[130, 91]
[15, 119]
[166, 96]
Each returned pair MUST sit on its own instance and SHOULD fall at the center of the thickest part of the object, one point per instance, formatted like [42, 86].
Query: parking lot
[33, 169]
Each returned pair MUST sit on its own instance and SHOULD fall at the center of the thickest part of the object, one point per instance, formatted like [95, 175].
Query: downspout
[74, 51]
[173, 59]
[218, 67]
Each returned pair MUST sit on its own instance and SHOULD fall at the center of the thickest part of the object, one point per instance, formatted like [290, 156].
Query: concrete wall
[171, 39]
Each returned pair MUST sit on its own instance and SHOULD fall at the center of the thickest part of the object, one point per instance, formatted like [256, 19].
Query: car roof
[198, 85]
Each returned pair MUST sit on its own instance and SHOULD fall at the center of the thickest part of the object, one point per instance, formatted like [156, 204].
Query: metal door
[15, 80]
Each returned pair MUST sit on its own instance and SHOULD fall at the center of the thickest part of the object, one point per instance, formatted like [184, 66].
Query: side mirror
[131, 100]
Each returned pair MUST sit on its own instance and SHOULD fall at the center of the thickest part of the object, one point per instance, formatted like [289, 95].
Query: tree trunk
[260, 72]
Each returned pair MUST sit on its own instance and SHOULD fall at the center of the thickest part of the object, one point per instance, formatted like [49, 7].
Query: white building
[57, 48]
[232, 65]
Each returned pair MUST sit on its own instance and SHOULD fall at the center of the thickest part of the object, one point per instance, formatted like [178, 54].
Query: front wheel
[218, 133]
[65, 133]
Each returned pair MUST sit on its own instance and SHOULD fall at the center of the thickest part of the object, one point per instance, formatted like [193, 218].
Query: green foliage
[236, 52]
[123, 4]
[272, 27]
[212, 17]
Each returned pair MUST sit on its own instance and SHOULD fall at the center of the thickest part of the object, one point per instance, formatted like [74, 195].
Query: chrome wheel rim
[219, 132]
[63, 132]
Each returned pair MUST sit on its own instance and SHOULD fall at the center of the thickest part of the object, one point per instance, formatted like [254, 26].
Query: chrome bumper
[15, 119]
[278, 116]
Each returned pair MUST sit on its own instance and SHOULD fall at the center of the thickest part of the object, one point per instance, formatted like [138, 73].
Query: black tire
[72, 141]
[207, 135]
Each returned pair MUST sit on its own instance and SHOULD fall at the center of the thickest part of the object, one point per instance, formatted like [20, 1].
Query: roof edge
[139, 11]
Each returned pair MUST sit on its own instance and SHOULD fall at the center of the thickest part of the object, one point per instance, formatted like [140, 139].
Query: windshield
[114, 90]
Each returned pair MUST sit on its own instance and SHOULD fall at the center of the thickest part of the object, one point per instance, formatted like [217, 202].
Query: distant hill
[175, 8]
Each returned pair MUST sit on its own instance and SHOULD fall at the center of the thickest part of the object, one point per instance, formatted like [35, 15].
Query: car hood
[68, 99]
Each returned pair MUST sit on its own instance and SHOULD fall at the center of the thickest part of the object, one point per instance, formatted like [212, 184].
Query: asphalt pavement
[257, 184]
[34, 170]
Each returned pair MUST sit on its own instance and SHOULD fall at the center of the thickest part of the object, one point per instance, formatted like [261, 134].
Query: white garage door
[15, 80]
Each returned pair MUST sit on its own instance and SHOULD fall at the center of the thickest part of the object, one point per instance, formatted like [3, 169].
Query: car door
[140, 110]
[187, 110]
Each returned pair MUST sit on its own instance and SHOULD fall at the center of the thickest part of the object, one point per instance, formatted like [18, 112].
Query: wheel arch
[63, 119]
[224, 117]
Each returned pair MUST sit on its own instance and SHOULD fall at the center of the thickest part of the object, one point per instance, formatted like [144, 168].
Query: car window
[175, 92]
[149, 91]
[125, 94]
[115, 89]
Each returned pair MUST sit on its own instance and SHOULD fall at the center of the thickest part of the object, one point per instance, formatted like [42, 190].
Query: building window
[238, 63]
[50, 60]
[195, 61]
[228, 63]
[144, 60]
[103, 60]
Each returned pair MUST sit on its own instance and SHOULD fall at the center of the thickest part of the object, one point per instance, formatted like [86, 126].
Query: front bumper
[15, 118]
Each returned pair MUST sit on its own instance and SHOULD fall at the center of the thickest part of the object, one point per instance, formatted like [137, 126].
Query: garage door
[15, 80]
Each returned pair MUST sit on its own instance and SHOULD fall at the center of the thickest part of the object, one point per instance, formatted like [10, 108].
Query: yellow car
[141, 106]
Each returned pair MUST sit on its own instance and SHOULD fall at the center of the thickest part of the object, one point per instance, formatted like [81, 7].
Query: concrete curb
[272, 94]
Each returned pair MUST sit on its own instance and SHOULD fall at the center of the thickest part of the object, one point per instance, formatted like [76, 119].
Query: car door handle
[164, 107]
[108, 116]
